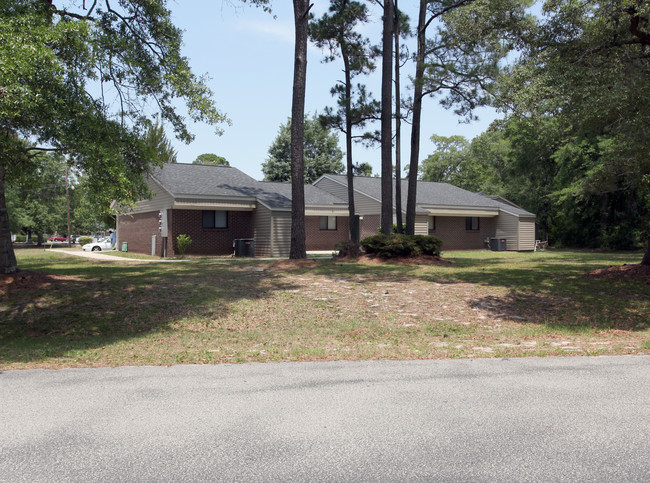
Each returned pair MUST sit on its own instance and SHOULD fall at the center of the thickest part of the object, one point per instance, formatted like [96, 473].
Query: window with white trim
[432, 223]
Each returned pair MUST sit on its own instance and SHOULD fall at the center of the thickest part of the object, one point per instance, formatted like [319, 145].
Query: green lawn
[67, 311]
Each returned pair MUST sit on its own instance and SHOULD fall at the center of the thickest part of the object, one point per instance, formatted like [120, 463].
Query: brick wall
[369, 226]
[209, 241]
[317, 239]
[137, 230]
[454, 236]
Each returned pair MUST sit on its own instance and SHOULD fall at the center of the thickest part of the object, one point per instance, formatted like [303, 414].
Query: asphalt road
[553, 419]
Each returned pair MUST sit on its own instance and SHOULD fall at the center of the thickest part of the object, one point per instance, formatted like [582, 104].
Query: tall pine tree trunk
[8, 262]
[298, 245]
[398, 131]
[415, 127]
[348, 144]
[387, 121]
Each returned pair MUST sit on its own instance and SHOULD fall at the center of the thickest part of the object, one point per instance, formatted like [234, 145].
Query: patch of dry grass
[80, 313]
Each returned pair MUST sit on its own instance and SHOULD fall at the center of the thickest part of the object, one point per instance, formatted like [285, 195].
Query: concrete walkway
[326, 255]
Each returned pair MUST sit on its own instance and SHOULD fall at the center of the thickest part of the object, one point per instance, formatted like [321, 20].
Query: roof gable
[192, 180]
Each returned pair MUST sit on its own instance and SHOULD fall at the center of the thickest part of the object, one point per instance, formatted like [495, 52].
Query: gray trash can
[498, 244]
[244, 247]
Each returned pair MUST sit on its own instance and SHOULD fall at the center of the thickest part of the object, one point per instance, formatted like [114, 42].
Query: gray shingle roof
[199, 180]
[430, 193]
[195, 179]
[313, 194]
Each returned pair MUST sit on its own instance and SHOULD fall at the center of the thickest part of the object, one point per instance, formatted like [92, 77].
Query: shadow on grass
[549, 288]
[58, 305]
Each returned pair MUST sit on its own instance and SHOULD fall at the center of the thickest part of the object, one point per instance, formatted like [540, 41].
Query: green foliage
[156, 140]
[84, 240]
[427, 244]
[21, 238]
[183, 242]
[58, 62]
[37, 199]
[462, 57]
[583, 77]
[347, 248]
[362, 169]
[337, 33]
[322, 153]
[211, 159]
[400, 245]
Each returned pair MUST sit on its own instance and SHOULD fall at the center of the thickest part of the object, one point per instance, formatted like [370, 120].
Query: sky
[248, 56]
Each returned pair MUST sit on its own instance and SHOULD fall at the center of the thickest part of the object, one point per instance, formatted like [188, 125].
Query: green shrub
[400, 245]
[347, 248]
[183, 242]
[428, 245]
[394, 228]
[82, 240]
[21, 238]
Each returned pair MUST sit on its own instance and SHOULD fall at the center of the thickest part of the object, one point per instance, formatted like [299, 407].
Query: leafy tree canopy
[212, 159]
[78, 77]
[322, 153]
[584, 74]
[362, 169]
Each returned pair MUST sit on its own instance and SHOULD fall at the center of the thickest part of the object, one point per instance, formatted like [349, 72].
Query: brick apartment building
[216, 205]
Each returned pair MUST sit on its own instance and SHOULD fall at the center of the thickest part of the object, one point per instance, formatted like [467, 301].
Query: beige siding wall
[526, 234]
[159, 201]
[363, 205]
[507, 226]
[280, 233]
[262, 231]
[421, 224]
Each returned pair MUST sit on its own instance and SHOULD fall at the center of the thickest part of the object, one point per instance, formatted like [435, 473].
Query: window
[471, 223]
[432, 223]
[328, 222]
[215, 219]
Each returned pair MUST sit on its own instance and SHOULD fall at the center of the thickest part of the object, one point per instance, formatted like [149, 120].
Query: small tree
[183, 242]
[322, 154]
[211, 159]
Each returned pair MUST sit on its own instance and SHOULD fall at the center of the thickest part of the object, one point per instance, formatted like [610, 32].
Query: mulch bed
[418, 260]
[623, 272]
[25, 280]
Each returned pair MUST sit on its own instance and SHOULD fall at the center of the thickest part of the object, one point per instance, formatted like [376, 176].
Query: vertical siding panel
[280, 233]
[262, 231]
[508, 227]
[421, 224]
[526, 234]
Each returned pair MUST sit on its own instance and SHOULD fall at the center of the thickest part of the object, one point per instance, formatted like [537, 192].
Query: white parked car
[98, 246]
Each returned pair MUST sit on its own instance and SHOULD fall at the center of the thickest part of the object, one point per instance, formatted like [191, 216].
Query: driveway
[553, 419]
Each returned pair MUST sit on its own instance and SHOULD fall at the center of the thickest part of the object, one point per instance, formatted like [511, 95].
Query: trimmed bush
[400, 245]
[347, 249]
[21, 238]
[83, 240]
[428, 245]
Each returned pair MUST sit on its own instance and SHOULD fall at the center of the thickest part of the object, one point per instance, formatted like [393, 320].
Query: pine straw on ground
[624, 272]
[30, 280]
